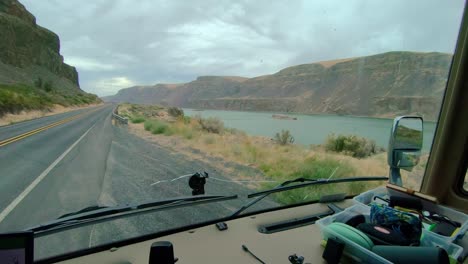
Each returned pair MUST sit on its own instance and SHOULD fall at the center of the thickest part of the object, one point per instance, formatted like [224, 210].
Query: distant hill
[382, 85]
[32, 72]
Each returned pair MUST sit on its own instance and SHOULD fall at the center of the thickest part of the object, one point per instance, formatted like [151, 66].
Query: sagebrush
[175, 111]
[158, 127]
[211, 124]
[352, 145]
[137, 119]
[284, 137]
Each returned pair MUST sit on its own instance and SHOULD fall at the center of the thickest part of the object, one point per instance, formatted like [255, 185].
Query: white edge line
[36, 181]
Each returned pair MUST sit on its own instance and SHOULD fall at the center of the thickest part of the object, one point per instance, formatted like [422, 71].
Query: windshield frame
[449, 132]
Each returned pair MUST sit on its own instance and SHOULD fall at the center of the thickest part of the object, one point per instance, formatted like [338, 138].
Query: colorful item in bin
[411, 211]
[404, 224]
[428, 226]
[383, 236]
[414, 205]
[352, 234]
[439, 218]
[423, 255]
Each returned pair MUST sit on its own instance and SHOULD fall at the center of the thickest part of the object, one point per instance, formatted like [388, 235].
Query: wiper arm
[244, 207]
[88, 216]
[305, 182]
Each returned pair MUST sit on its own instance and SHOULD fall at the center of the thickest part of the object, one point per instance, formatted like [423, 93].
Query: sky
[116, 44]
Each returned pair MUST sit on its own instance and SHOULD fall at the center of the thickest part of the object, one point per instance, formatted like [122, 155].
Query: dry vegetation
[276, 161]
[17, 98]
[9, 119]
[352, 145]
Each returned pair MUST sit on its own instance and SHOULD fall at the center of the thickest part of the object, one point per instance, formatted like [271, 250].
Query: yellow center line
[37, 130]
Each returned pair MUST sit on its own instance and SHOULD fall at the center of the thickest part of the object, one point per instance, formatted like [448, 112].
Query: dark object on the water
[278, 116]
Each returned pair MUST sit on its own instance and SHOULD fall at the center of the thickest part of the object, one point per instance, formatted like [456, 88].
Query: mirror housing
[404, 147]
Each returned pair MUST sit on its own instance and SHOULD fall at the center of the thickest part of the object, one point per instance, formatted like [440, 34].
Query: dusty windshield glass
[110, 103]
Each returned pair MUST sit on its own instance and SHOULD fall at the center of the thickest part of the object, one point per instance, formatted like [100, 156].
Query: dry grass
[8, 119]
[275, 162]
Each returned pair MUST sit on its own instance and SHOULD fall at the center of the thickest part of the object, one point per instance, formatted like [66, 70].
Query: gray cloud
[119, 43]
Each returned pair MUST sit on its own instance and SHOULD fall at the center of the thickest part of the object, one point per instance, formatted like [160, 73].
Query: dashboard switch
[221, 226]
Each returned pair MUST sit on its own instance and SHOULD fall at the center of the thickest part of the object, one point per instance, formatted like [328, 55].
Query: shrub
[284, 137]
[186, 120]
[48, 86]
[211, 125]
[168, 131]
[352, 145]
[38, 82]
[148, 125]
[156, 127]
[175, 112]
[15, 98]
[160, 128]
[137, 119]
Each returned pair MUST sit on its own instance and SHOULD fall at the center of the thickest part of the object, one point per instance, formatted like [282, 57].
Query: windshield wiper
[304, 183]
[244, 207]
[96, 214]
[87, 209]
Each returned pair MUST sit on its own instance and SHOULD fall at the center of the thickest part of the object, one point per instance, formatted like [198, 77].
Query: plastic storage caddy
[367, 197]
[352, 249]
[363, 255]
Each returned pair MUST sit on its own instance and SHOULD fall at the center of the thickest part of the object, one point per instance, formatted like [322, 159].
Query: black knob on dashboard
[162, 252]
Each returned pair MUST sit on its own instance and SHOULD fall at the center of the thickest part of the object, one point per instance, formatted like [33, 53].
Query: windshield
[110, 103]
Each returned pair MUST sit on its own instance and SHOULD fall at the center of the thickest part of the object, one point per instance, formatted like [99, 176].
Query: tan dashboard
[210, 245]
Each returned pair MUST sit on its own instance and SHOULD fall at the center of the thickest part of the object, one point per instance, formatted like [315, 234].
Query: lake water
[311, 129]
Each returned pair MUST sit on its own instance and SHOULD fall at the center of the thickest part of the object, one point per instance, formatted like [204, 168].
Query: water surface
[311, 129]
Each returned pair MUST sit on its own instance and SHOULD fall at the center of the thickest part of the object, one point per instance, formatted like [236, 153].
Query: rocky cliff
[26, 45]
[382, 85]
[32, 72]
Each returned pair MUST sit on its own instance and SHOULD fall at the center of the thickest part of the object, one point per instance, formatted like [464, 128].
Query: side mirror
[404, 147]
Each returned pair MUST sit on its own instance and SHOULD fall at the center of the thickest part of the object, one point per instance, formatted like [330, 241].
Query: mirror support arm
[395, 176]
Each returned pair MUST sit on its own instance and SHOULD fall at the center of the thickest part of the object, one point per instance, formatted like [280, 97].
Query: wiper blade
[88, 216]
[317, 182]
[87, 209]
[244, 207]
[305, 182]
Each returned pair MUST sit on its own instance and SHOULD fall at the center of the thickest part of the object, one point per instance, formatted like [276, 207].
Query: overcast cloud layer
[121, 43]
